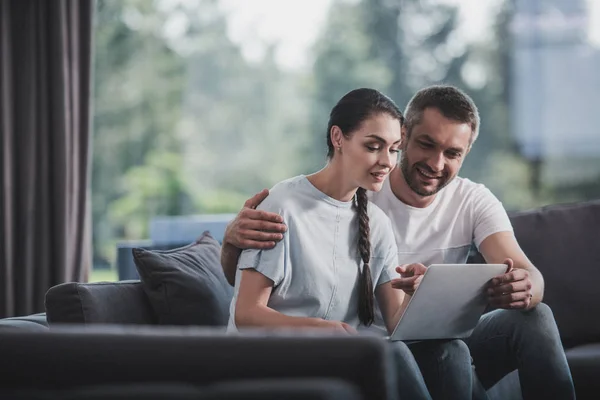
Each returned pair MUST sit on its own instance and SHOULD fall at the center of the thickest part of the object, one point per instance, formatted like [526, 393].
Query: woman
[332, 261]
[339, 251]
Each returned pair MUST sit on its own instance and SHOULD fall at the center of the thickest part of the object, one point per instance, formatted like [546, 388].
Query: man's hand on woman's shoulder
[255, 229]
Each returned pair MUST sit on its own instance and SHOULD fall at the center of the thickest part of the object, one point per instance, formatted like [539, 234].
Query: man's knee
[456, 350]
[541, 315]
[542, 319]
[537, 322]
[448, 351]
[541, 310]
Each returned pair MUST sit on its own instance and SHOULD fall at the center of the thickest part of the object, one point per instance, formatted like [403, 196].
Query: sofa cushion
[562, 242]
[584, 362]
[99, 303]
[186, 286]
[34, 322]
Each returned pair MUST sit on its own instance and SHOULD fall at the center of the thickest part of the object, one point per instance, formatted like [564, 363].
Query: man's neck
[404, 193]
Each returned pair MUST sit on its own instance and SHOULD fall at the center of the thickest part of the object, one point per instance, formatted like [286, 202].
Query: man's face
[434, 152]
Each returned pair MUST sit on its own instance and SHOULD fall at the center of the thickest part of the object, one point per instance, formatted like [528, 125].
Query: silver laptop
[448, 302]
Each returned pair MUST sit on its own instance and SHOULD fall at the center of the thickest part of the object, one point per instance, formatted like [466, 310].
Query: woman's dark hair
[348, 114]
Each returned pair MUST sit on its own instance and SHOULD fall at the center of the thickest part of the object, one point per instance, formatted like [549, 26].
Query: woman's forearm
[262, 316]
[393, 321]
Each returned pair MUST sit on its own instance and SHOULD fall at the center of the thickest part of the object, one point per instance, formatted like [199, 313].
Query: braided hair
[348, 114]
[365, 295]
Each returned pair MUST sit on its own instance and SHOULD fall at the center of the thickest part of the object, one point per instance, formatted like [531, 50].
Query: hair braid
[365, 294]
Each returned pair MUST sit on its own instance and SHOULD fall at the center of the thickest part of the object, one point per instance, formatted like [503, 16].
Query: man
[436, 217]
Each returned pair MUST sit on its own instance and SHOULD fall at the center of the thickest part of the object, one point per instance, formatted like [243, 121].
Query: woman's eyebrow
[380, 139]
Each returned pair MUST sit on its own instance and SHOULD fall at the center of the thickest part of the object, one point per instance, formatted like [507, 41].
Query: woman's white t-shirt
[315, 268]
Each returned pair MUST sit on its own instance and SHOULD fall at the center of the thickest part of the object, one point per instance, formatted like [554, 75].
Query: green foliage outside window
[184, 124]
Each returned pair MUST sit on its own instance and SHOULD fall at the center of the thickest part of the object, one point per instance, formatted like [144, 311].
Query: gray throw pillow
[186, 286]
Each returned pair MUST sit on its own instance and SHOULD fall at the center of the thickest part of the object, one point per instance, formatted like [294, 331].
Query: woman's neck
[331, 181]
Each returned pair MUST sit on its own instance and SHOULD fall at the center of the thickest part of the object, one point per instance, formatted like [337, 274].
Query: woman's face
[370, 153]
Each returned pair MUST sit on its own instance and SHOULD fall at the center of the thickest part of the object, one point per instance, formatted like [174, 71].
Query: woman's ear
[337, 137]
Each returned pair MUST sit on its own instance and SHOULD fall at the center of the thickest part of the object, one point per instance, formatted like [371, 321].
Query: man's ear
[403, 137]
[337, 137]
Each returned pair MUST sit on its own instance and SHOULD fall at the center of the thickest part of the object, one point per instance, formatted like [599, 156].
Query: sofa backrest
[563, 242]
[122, 302]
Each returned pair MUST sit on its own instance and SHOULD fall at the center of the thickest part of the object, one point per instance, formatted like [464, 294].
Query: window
[200, 104]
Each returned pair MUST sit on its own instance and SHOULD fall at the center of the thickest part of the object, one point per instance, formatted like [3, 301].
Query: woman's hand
[337, 326]
[412, 275]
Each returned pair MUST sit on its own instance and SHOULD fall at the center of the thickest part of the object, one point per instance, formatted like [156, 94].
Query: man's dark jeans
[504, 340]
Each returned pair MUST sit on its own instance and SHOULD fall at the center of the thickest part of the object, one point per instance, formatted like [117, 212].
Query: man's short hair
[450, 101]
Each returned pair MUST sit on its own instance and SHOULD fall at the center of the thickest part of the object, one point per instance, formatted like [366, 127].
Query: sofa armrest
[105, 302]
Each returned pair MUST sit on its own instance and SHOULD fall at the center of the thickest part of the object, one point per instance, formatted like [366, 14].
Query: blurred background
[199, 104]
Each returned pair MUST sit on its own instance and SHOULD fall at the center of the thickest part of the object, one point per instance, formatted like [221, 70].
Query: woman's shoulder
[282, 194]
[288, 185]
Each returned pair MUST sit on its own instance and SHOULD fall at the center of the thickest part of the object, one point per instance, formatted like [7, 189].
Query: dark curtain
[45, 72]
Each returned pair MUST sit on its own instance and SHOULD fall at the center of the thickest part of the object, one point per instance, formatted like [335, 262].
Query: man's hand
[255, 229]
[412, 275]
[511, 290]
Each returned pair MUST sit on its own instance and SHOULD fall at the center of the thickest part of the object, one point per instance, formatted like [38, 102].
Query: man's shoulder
[462, 189]
[470, 198]
[462, 197]
[379, 221]
[381, 231]
[376, 214]
[467, 185]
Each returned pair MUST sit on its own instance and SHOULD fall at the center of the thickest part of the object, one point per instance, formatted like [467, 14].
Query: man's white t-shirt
[462, 213]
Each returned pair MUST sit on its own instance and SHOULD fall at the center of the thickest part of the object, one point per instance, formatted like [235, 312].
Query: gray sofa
[563, 241]
[99, 361]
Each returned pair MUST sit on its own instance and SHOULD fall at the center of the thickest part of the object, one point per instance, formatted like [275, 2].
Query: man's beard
[411, 180]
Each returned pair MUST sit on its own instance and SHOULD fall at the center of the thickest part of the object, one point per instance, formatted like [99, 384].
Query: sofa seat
[584, 362]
